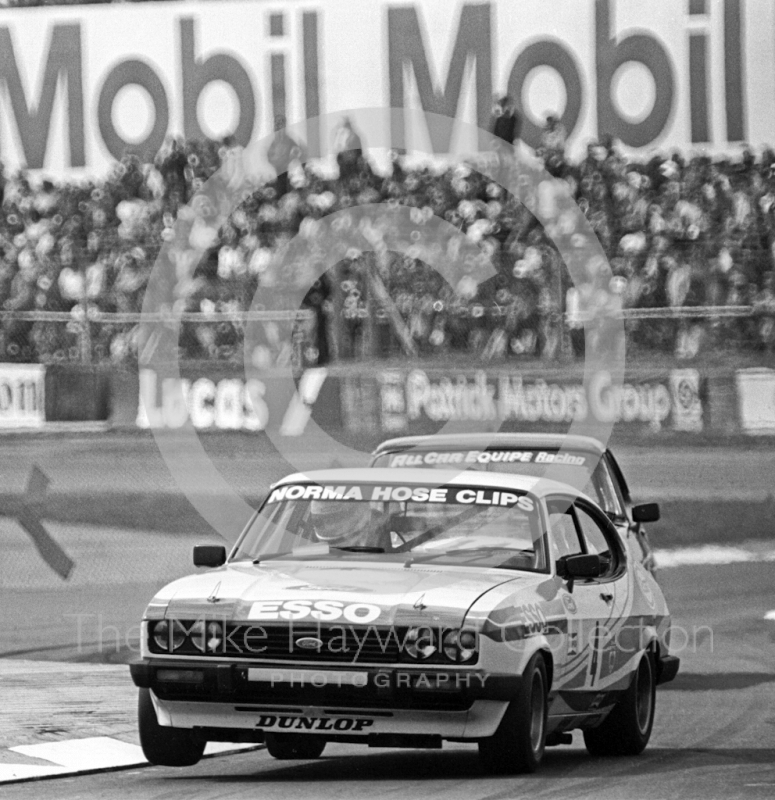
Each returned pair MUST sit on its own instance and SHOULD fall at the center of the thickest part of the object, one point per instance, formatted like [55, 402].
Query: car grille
[341, 644]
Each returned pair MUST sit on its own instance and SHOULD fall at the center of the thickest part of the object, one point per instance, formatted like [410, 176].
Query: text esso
[322, 610]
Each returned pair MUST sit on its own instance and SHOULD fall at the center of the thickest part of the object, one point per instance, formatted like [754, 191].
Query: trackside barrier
[220, 398]
[756, 395]
[419, 401]
[390, 401]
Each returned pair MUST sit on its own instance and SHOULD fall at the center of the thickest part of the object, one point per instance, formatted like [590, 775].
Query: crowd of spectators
[678, 231]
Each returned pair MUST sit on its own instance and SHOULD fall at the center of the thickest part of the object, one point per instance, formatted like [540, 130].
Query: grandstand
[680, 233]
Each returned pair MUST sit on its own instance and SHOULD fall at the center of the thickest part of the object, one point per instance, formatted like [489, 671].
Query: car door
[600, 537]
[590, 607]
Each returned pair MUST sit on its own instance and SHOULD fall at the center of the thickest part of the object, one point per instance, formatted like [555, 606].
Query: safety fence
[90, 336]
[307, 337]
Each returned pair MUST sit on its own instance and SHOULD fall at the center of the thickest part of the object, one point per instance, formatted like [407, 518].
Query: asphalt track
[714, 735]
[131, 462]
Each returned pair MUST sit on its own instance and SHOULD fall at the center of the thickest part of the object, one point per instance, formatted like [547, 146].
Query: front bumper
[394, 687]
[465, 704]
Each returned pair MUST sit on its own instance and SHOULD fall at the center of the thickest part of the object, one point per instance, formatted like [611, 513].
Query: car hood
[334, 593]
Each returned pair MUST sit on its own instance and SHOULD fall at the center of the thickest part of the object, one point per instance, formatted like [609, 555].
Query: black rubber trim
[474, 685]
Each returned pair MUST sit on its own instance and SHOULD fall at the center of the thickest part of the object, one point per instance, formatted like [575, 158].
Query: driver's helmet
[341, 523]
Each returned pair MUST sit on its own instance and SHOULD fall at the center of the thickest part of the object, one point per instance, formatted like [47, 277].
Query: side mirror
[581, 566]
[646, 512]
[209, 555]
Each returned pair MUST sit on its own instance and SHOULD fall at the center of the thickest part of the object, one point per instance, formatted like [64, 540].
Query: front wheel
[290, 746]
[166, 747]
[627, 729]
[518, 743]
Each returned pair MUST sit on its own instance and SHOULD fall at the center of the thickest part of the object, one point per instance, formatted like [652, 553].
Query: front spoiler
[337, 724]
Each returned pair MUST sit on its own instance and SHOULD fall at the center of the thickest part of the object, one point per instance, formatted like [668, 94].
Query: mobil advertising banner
[419, 401]
[79, 84]
[221, 398]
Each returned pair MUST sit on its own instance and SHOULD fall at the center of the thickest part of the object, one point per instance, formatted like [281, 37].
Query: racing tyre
[289, 746]
[518, 744]
[166, 747]
[627, 729]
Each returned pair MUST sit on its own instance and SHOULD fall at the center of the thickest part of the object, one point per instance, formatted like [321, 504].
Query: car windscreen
[525, 461]
[448, 524]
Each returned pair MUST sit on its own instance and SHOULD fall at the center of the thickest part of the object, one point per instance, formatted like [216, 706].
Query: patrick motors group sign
[417, 402]
[80, 85]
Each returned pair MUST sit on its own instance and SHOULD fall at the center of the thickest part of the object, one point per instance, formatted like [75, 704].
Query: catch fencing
[306, 337]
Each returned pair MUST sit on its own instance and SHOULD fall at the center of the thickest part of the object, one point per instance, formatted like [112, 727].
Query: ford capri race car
[531, 454]
[404, 608]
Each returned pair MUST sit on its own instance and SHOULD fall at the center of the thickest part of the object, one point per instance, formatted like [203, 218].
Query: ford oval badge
[309, 643]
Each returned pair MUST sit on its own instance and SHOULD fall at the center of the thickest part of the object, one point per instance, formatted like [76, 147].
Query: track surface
[131, 462]
[715, 730]
[714, 735]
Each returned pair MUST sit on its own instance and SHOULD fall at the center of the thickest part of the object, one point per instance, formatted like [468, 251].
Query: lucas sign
[79, 85]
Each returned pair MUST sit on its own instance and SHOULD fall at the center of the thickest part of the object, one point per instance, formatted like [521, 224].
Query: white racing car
[532, 454]
[403, 608]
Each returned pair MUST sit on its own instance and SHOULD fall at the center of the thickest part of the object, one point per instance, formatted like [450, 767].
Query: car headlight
[420, 643]
[214, 637]
[459, 646]
[178, 635]
[161, 634]
[197, 633]
[207, 638]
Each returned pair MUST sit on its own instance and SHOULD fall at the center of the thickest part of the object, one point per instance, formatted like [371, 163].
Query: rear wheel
[627, 729]
[518, 743]
[289, 746]
[167, 747]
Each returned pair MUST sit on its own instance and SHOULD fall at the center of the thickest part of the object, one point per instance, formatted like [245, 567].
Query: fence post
[84, 335]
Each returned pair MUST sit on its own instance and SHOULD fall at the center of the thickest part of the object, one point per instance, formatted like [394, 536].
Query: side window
[593, 536]
[606, 493]
[562, 530]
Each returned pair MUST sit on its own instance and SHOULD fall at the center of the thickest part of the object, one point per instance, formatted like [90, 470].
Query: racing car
[406, 608]
[532, 454]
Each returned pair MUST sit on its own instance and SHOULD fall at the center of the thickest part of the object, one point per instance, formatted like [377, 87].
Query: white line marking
[770, 615]
[18, 772]
[712, 554]
[214, 748]
[95, 752]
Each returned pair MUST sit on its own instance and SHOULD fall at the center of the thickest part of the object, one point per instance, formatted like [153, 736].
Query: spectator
[505, 126]
[349, 152]
[283, 150]
[552, 148]
[506, 122]
[679, 231]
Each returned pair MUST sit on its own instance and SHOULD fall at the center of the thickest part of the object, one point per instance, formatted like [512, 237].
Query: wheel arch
[548, 658]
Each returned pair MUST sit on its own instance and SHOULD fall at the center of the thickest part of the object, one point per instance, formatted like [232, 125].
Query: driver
[343, 523]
